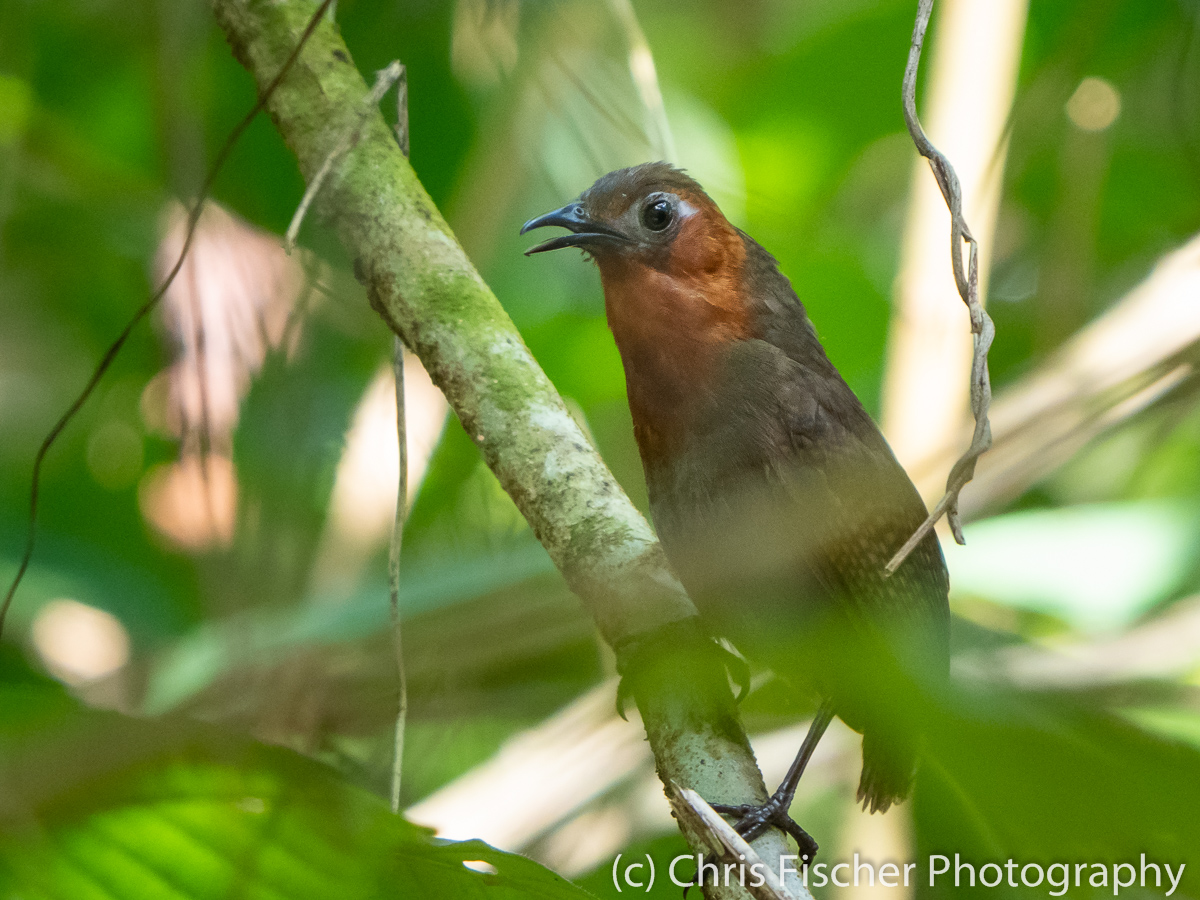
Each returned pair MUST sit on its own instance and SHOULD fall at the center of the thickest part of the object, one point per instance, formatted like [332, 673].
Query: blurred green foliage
[168, 808]
[790, 114]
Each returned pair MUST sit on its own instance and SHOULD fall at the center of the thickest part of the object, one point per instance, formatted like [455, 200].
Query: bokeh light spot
[1095, 104]
[480, 865]
[79, 643]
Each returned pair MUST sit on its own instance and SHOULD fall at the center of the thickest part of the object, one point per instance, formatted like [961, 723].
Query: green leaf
[101, 806]
[1044, 779]
[1098, 566]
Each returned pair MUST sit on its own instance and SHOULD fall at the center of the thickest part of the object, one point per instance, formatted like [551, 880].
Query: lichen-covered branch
[423, 285]
[420, 281]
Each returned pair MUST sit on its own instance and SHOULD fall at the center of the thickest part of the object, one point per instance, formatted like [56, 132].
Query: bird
[776, 498]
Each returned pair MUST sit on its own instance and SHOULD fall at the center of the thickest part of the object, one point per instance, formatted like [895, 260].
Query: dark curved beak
[573, 217]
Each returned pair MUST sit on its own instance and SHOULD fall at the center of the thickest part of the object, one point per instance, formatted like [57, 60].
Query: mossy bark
[420, 281]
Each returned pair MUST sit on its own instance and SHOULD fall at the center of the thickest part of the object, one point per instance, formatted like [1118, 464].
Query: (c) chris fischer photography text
[940, 870]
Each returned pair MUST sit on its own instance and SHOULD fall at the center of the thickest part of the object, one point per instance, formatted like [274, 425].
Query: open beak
[584, 231]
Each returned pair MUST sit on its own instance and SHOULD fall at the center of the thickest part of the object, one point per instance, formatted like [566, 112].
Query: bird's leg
[753, 820]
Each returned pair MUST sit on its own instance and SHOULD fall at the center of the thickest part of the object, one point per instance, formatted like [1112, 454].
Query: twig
[401, 496]
[384, 79]
[148, 306]
[393, 73]
[728, 847]
[394, 572]
[402, 130]
[968, 288]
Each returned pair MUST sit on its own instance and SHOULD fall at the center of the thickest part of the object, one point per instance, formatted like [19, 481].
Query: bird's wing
[869, 502]
[854, 505]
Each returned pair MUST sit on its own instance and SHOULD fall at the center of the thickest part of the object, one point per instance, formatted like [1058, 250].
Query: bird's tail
[887, 771]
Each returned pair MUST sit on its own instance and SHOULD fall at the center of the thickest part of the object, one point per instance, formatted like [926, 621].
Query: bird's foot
[751, 821]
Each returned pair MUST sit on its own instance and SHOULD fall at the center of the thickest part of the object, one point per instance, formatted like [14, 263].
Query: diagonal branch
[422, 284]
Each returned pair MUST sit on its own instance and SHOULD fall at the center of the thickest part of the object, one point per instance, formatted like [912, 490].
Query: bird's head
[652, 214]
[673, 268]
[665, 251]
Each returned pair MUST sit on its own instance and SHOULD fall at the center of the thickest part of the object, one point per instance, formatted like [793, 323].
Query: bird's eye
[656, 215]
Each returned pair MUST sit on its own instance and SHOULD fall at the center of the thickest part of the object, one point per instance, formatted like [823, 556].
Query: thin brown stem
[401, 497]
[147, 307]
[967, 282]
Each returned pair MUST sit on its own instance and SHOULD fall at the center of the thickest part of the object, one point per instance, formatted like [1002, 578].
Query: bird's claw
[751, 821]
[624, 692]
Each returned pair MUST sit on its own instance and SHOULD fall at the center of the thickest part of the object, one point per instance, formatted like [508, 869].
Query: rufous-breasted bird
[777, 499]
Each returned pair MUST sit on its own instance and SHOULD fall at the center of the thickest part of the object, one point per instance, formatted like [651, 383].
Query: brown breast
[671, 315]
